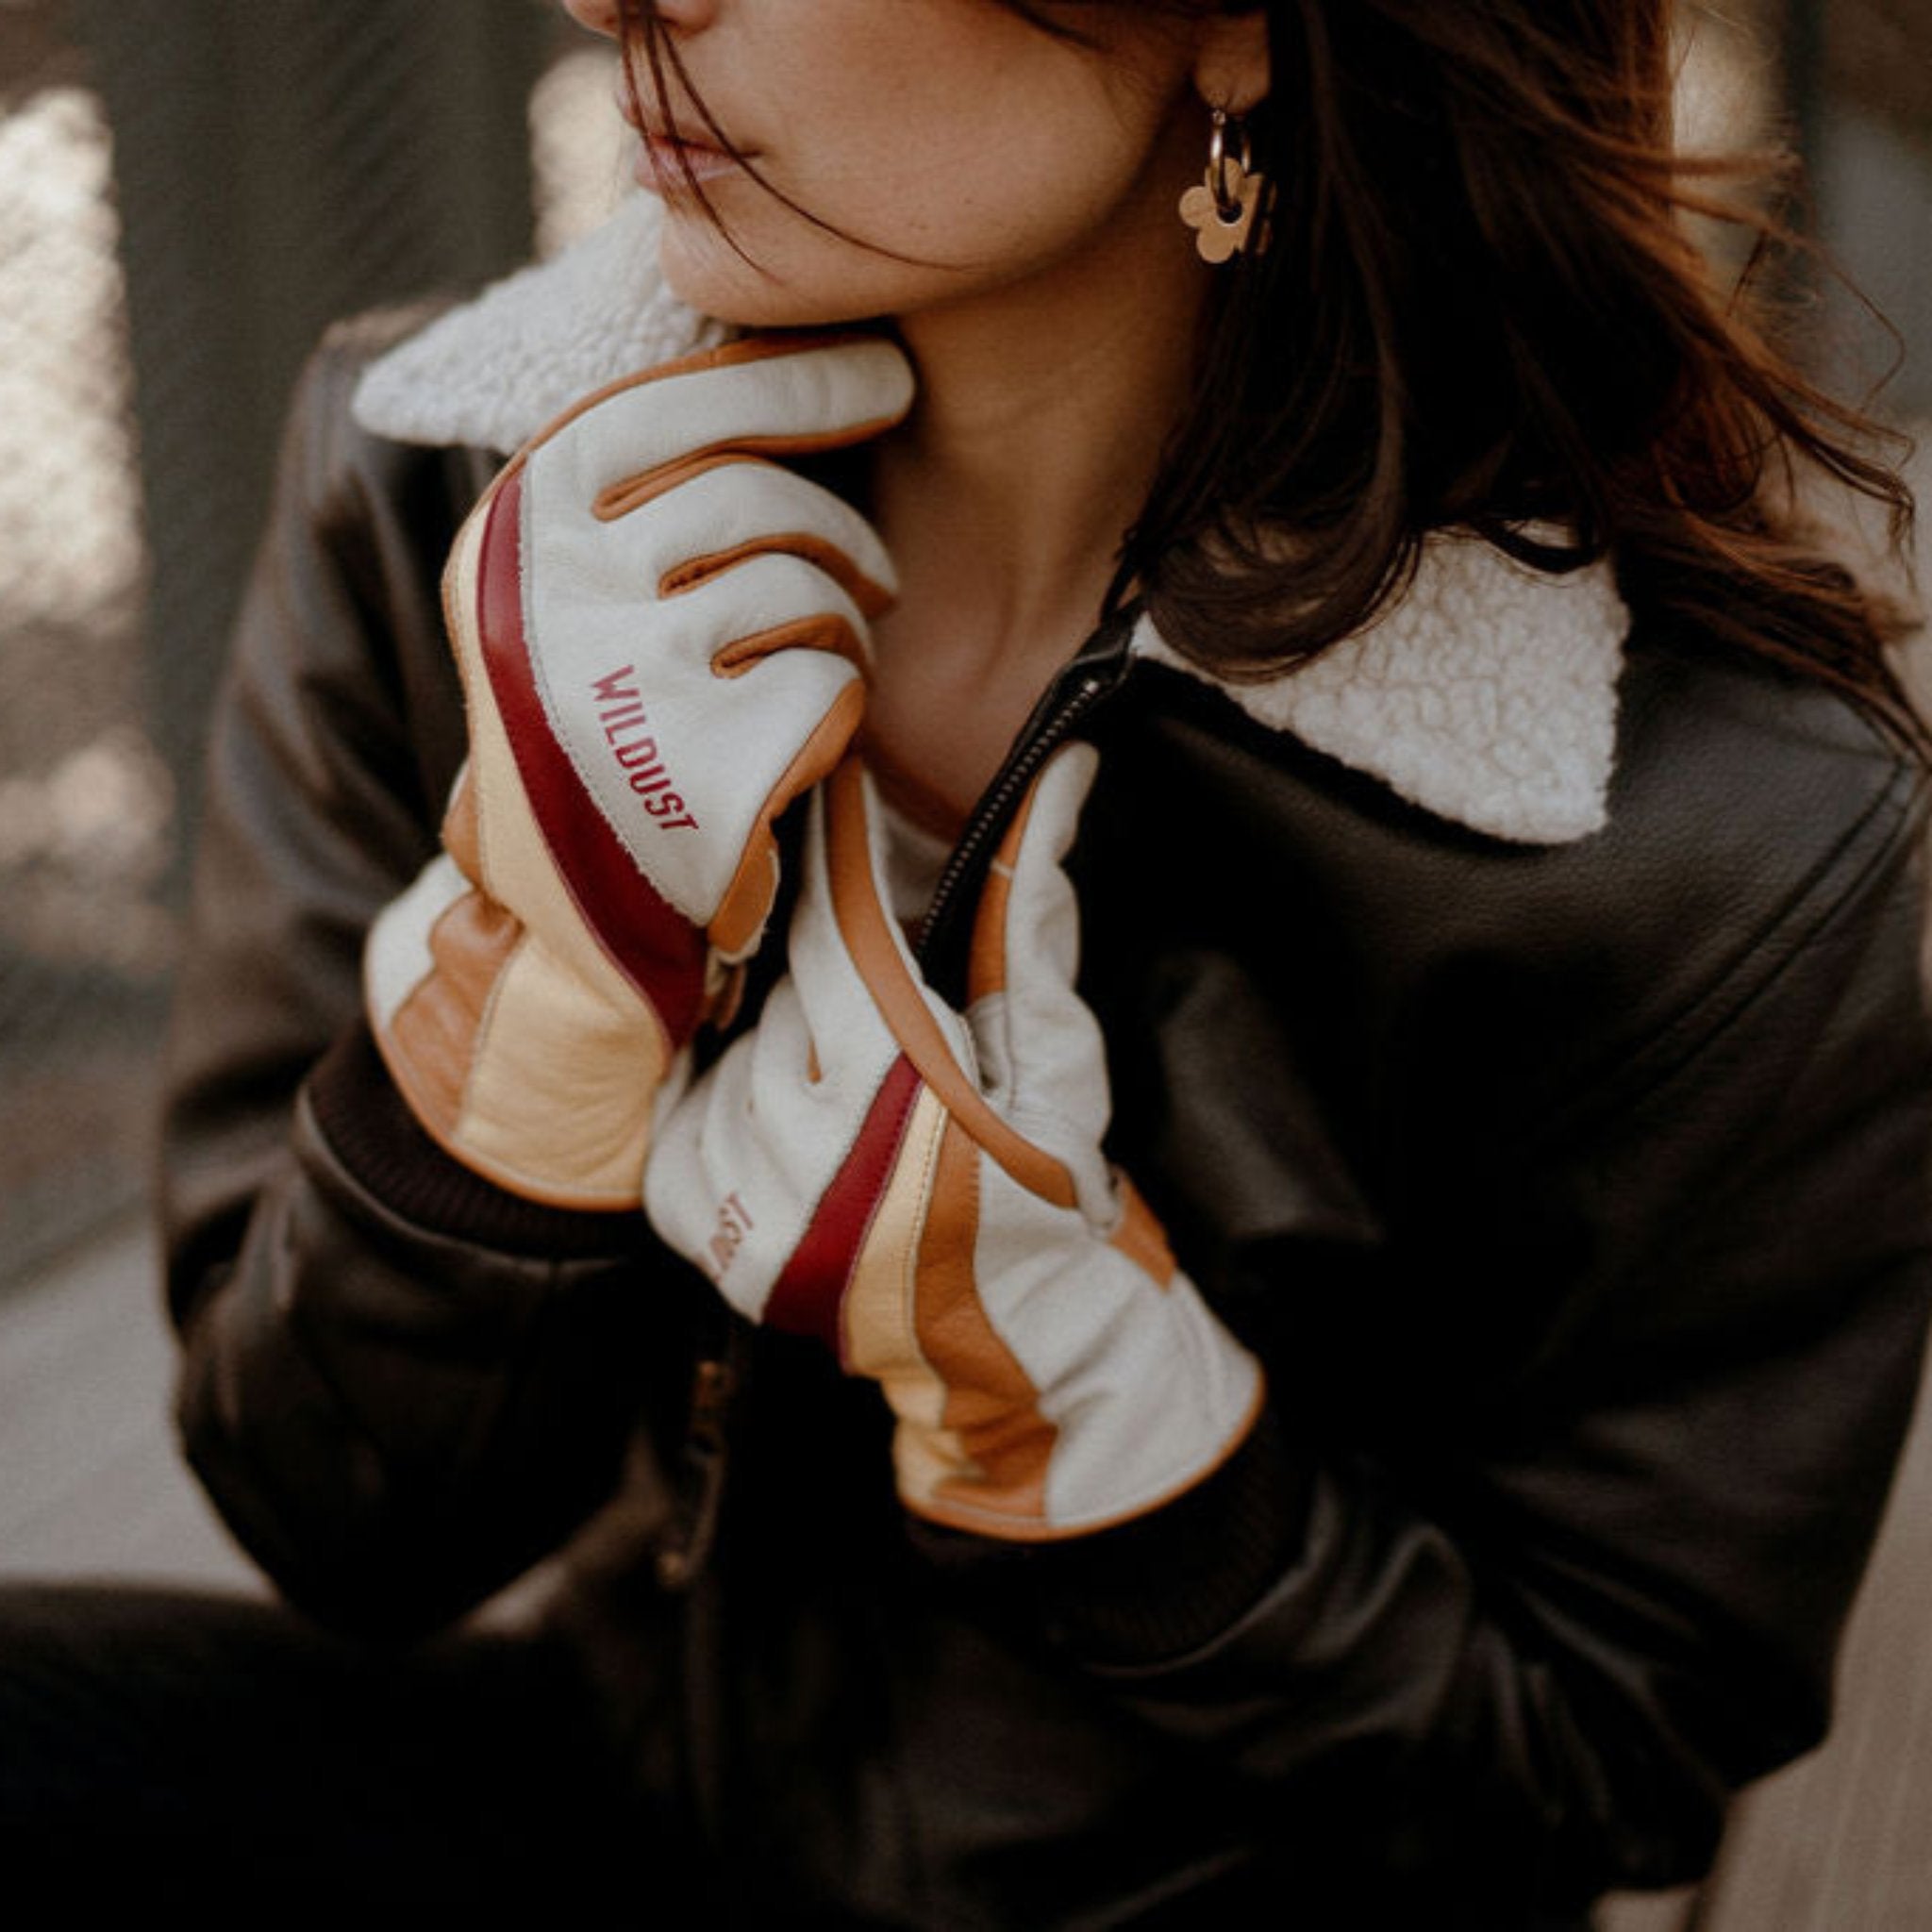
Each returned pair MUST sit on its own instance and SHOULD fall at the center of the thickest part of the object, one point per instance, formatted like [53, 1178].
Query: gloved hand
[662, 641]
[926, 1192]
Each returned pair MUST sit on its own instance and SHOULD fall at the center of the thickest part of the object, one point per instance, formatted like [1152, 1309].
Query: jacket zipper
[1091, 674]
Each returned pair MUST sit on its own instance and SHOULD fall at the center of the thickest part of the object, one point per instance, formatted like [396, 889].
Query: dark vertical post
[1802, 44]
[279, 164]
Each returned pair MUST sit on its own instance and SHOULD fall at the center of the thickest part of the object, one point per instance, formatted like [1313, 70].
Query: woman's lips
[665, 165]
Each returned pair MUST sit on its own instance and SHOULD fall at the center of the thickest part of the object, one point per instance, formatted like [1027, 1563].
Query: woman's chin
[706, 273]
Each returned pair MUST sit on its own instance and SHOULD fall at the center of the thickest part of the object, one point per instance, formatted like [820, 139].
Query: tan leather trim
[878, 1336]
[747, 900]
[954, 1509]
[619, 499]
[864, 926]
[820, 552]
[724, 989]
[433, 1040]
[991, 1404]
[1141, 1237]
[825, 631]
[462, 826]
[460, 592]
[985, 962]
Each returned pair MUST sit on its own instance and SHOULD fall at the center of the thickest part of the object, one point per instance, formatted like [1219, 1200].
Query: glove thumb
[1042, 1058]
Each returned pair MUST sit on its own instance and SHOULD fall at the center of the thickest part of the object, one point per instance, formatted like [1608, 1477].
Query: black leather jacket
[1573, 1195]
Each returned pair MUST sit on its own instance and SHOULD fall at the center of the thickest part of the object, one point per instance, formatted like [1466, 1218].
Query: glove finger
[746, 1166]
[733, 507]
[768, 395]
[767, 601]
[746, 901]
[855, 863]
[1040, 1047]
[710, 514]
[1027, 917]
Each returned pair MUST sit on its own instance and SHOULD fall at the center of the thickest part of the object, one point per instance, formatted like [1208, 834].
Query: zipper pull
[680, 1558]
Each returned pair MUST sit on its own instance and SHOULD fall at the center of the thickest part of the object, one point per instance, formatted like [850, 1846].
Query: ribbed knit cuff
[1165, 1585]
[371, 1132]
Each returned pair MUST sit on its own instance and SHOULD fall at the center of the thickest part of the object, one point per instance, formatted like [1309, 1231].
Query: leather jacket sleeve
[400, 1385]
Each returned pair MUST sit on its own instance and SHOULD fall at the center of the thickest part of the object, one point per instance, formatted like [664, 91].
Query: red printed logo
[627, 731]
[734, 1224]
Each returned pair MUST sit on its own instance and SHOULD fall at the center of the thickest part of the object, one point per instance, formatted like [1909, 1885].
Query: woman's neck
[1005, 496]
[1041, 412]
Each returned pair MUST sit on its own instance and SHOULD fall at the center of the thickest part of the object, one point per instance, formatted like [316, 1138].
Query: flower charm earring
[1222, 211]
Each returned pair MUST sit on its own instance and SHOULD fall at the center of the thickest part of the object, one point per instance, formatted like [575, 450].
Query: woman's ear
[1231, 71]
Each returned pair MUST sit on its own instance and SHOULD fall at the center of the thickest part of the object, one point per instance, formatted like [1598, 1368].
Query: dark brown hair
[1482, 307]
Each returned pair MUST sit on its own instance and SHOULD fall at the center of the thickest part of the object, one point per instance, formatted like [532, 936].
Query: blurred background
[190, 192]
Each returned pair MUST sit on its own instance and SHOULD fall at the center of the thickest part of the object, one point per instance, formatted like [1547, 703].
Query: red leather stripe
[807, 1297]
[651, 942]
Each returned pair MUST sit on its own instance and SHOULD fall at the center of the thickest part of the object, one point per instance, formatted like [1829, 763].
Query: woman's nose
[600, 16]
[607, 16]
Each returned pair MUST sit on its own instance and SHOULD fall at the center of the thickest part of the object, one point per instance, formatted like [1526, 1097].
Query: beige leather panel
[559, 1098]
[880, 1334]
[433, 1039]
[992, 1404]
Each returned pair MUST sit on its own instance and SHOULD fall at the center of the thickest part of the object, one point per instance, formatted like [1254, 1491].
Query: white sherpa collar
[1487, 695]
[495, 371]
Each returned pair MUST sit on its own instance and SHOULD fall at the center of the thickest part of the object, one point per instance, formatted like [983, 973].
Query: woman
[1437, 1478]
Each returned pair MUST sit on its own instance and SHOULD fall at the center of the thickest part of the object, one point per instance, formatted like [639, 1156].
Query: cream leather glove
[663, 635]
[926, 1192]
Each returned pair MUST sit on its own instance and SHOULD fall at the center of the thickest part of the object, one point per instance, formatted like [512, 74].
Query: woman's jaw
[874, 158]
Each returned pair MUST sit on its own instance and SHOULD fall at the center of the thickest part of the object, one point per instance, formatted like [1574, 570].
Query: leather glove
[662, 641]
[925, 1191]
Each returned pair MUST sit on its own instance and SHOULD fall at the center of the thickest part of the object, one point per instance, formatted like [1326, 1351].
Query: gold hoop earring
[1223, 211]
